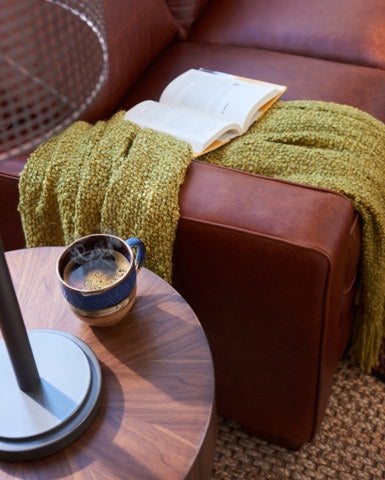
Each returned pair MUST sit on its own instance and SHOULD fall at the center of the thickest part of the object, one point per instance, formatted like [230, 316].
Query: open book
[206, 108]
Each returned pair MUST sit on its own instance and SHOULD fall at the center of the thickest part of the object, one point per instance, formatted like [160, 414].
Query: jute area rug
[350, 444]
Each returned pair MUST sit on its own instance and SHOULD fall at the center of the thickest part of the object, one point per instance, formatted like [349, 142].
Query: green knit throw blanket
[117, 178]
[111, 178]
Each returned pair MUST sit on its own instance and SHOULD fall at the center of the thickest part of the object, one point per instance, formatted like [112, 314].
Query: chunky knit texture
[115, 177]
[111, 177]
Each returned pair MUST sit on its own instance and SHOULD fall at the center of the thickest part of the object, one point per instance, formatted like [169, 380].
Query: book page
[226, 96]
[196, 128]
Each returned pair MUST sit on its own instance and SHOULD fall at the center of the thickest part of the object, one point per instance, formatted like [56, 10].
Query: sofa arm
[269, 267]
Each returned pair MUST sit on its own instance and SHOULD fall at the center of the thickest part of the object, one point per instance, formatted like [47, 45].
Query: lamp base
[38, 423]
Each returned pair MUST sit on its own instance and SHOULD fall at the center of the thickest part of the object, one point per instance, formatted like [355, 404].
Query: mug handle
[139, 251]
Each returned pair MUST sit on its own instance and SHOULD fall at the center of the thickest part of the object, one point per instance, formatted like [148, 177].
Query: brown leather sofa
[274, 284]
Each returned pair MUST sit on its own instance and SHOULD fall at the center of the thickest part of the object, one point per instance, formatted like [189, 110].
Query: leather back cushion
[136, 32]
[349, 31]
[186, 12]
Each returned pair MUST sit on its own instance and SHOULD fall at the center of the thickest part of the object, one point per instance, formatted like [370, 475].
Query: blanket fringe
[113, 175]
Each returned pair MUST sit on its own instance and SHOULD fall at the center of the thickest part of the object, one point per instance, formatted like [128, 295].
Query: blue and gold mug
[98, 277]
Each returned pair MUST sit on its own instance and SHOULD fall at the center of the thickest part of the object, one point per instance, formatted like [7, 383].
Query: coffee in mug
[98, 276]
[96, 269]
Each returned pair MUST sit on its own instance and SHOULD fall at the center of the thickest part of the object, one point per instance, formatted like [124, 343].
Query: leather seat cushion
[305, 77]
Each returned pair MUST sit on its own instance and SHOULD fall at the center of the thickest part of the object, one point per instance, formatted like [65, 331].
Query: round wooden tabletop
[157, 413]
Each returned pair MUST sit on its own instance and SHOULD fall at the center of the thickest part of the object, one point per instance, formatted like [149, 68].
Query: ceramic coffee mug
[98, 276]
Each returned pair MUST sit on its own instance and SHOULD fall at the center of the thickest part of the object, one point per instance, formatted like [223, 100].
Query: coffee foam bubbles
[96, 273]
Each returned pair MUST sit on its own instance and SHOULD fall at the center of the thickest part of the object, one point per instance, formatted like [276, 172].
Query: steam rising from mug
[97, 275]
[95, 269]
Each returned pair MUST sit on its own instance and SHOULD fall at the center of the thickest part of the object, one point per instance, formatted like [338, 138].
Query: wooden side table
[157, 414]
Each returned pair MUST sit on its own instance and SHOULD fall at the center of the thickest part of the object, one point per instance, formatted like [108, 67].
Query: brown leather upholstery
[306, 77]
[269, 266]
[347, 31]
[137, 32]
[272, 283]
[185, 13]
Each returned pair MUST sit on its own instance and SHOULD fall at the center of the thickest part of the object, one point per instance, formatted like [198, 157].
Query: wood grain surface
[157, 414]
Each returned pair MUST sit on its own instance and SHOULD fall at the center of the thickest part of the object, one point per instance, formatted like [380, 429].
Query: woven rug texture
[349, 446]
